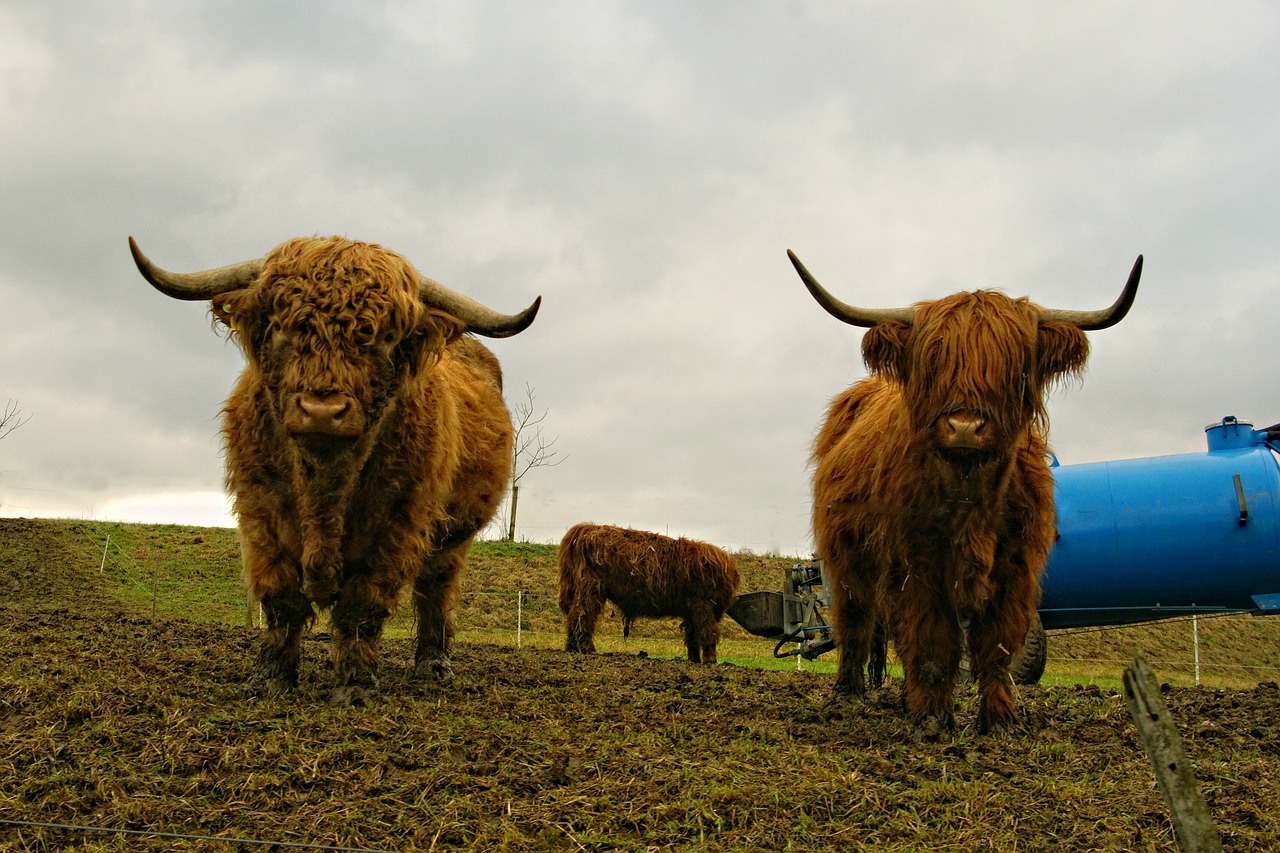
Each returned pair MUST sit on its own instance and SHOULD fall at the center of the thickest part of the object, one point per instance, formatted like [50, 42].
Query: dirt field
[111, 719]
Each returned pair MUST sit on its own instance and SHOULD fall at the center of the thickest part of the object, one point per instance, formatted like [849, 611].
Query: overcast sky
[644, 166]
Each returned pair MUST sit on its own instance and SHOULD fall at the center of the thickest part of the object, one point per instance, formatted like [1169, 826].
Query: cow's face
[975, 368]
[335, 328]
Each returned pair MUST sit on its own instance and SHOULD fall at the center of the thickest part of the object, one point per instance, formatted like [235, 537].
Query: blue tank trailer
[1138, 540]
[1164, 536]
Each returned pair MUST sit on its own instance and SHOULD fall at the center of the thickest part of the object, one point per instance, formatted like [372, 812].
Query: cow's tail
[571, 565]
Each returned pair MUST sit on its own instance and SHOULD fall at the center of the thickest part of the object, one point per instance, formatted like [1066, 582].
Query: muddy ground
[113, 720]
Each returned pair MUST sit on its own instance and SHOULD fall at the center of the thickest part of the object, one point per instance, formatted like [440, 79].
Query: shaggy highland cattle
[932, 497]
[367, 443]
[644, 574]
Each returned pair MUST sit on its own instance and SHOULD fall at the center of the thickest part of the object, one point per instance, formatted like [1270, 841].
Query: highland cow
[932, 495]
[644, 575]
[367, 443]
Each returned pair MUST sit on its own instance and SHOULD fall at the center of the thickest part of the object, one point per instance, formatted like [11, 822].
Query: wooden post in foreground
[1191, 819]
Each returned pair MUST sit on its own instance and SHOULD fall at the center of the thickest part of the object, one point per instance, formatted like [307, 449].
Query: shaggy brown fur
[367, 443]
[926, 532]
[644, 574]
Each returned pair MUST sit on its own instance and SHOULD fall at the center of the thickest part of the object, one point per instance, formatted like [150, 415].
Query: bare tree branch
[12, 418]
[530, 445]
[529, 450]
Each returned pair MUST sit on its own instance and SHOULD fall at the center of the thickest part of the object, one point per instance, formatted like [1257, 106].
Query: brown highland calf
[367, 443]
[644, 574]
[932, 495]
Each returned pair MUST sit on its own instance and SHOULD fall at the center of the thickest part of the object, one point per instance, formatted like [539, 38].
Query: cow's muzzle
[963, 431]
[324, 414]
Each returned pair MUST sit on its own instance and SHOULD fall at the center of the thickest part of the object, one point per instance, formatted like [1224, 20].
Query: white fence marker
[1195, 641]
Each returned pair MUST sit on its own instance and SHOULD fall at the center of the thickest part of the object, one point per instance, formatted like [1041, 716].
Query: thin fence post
[1195, 641]
[103, 565]
[519, 614]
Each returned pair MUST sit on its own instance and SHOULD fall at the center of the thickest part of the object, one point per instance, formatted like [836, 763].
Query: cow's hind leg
[275, 671]
[853, 616]
[878, 665]
[584, 611]
[702, 634]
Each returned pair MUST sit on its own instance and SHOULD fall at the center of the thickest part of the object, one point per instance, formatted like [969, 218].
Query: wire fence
[1228, 650]
[141, 834]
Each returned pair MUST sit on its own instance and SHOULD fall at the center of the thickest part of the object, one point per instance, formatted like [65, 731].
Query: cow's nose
[330, 414]
[965, 430]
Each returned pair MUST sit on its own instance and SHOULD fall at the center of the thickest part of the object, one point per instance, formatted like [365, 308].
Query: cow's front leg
[357, 619]
[994, 638]
[928, 638]
[435, 595]
[990, 655]
[998, 632]
[273, 580]
[275, 671]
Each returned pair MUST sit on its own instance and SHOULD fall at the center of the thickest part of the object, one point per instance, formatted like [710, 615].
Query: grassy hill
[193, 572]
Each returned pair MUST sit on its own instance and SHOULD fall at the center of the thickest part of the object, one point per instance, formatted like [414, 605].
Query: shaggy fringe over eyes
[361, 290]
[982, 350]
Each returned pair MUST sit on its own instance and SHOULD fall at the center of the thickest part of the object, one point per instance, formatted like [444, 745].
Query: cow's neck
[964, 492]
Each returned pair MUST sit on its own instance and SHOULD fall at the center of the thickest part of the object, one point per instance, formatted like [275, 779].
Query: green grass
[175, 570]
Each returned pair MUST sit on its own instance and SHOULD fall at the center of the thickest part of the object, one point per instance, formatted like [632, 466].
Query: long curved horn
[1092, 321]
[479, 318]
[196, 285]
[1088, 321]
[865, 317]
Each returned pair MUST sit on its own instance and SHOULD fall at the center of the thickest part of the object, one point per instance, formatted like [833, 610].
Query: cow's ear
[435, 331]
[439, 326]
[239, 312]
[884, 349]
[1061, 349]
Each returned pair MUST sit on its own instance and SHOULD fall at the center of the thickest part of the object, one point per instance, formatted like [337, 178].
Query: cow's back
[646, 574]
[475, 426]
[479, 358]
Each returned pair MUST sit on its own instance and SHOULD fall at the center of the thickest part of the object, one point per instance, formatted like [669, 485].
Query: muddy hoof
[261, 686]
[841, 701]
[351, 695]
[933, 730]
[996, 726]
[433, 669]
